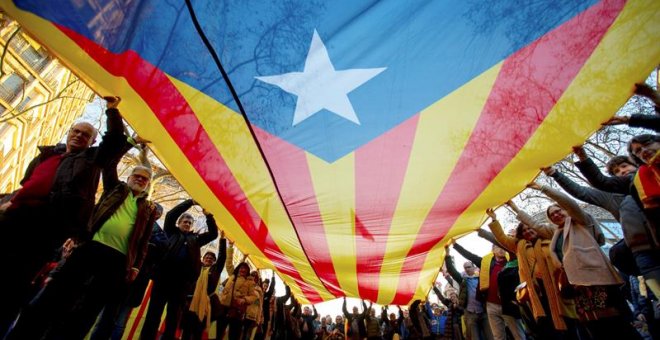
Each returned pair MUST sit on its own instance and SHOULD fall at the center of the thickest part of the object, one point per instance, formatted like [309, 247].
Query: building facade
[39, 100]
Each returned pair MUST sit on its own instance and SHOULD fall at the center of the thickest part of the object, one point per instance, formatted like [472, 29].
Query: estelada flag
[359, 134]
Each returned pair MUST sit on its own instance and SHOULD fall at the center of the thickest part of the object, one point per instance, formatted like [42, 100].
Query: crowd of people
[90, 260]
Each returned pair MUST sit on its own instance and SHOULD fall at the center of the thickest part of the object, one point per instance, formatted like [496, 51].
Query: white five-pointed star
[320, 86]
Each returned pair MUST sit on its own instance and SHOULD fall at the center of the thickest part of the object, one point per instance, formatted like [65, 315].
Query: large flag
[349, 138]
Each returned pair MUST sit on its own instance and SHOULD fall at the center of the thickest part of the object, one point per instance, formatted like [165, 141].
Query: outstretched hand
[617, 120]
[549, 171]
[647, 91]
[534, 185]
[578, 150]
[491, 213]
[139, 140]
[112, 101]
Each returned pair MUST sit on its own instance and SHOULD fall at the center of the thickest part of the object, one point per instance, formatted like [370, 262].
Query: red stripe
[174, 113]
[528, 86]
[290, 167]
[141, 311]
[380, 168]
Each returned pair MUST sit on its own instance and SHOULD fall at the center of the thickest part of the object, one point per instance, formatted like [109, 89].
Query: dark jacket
[309, 321]
[74, 187]
[280, 330]
[651, 122]
[639, 231]
[217, 267]
[113, 196]
[453, 325]
[362, 330]
[391, 327]
[155, 251]
[419, 320]
[188, 243]
[268, 295]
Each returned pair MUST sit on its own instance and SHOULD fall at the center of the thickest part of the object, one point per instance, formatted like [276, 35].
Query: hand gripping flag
[349, 138]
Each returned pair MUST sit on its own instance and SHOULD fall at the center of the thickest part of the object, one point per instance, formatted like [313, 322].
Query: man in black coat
[54, 203]
[179, 270]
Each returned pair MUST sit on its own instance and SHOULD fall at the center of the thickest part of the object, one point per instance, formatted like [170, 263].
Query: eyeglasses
[77, 131]
[637, 151]
[140, 177]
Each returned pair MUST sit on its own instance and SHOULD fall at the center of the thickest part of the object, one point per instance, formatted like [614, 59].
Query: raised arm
[571, 207]
[488, 236]
[364, 309]
[222, 252]
[173, 215]
[114, 140]
[596, 178]
[211, 232]
[523, 216]
[344, 309]
[644, 121]
[449, 263]
[476, 260]
[509, 243]
[271, 287]
[287, 294]
[651, 122]
[545, 230]
[229, 262]
[109, 171]
[445, 301]
[429, 310]
[586, 194]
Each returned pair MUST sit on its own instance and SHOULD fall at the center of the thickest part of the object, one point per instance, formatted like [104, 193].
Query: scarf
[647, 183]
[201, 303]
[550, 285]
[526, 273]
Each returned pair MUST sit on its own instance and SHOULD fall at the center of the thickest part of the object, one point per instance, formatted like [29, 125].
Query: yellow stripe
[233, 140]
[442, 132]
[334, 185]
[133, 110]
[627, 53]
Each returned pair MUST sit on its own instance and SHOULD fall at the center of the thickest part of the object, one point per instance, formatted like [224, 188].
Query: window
[11, 87]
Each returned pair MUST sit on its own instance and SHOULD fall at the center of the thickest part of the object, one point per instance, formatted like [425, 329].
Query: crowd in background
[546, 278]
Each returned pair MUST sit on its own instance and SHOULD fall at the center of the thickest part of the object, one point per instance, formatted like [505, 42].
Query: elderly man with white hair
[102, 267]
[54, 203]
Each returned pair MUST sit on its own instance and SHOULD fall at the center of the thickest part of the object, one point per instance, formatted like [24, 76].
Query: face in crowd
[645, 149]
[453, 297]
[243, 271]
[469, 267]
[557, 215]
[498, 252]
[623, 169]
[208, 259]
[307, 311]
[185, 223]
[80, 137]
[139, 179]
[529, 233]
